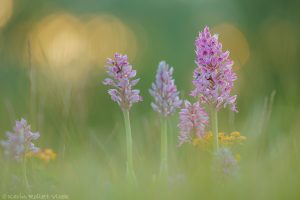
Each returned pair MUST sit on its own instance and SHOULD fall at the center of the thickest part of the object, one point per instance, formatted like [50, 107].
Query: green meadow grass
[90, 162]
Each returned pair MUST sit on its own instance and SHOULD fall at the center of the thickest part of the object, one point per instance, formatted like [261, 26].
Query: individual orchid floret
[193, 120]
[164, 91]
[121, 75]
[213, 78]
[19, 142]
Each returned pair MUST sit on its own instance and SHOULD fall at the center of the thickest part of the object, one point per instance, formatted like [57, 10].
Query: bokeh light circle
[70, 46]
[6, 8]
[235, 41]
[107, 35]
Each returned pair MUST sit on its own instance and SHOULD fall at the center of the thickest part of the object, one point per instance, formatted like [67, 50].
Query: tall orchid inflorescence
[166, 102]
[121, 74]
[213, 78]
[193, 120]
[164, 91]
[121, 78]
[19, 142]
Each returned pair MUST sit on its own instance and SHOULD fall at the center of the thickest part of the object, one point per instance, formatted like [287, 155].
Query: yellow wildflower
[224, 139]
[238, 157]
[196, 141]
[44, 154]
[235, 134]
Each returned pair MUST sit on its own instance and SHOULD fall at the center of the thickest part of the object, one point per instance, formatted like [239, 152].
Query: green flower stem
[130, 171]
[214, 128]
[164, 149]
[24, 171]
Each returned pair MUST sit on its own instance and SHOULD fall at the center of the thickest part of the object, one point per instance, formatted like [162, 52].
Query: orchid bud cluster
[213, 78]
[164, 91]
[121, 75]
[193, 119]
[19, 142]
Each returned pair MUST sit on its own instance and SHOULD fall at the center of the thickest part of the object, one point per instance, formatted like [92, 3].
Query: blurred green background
[70, 40]
[52, 57]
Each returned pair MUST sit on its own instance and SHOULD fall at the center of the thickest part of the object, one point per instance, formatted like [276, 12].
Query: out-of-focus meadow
[52, 57]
